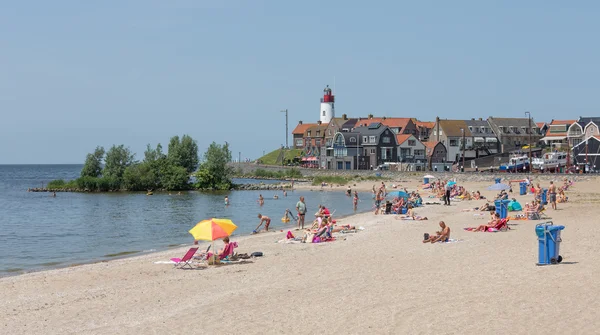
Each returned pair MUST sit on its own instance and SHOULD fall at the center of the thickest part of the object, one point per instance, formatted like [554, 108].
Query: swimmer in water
[226, 201]
[54, 194]
[355, 200]
[275, 196]
[261, 200]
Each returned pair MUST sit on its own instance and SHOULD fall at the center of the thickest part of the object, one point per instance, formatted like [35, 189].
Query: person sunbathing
[440, 236]
[411, 215]
[323, 228]
[486, 207]
[561, 196]
[495, 220]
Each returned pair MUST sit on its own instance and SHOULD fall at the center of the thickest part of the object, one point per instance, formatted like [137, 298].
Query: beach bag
[256, 254]
[316, 239]
[289, 235]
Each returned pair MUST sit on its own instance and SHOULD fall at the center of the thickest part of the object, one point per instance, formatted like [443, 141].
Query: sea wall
[248, 168]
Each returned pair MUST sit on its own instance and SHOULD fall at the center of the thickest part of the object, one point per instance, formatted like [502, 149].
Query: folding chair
[185, 261]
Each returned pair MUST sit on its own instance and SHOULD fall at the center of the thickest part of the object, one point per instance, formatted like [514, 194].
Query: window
[371, 139]
[353, 139]
[419, 152]
[483, 130]
[365, 139]
[470, 128]
[434, 132]
[441, 132]
[323, 113]
[373, 151]
[340, 152]
[383, 153]
[366, 152]
[318, 133]
[318, 143]
[453, 143]
[308, 133]
[340, 165]
[329, 132]
[386, 140]
[299, 142]
[412, 143]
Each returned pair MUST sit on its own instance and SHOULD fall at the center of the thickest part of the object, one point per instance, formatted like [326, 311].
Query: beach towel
[452, 240]
[289, 235]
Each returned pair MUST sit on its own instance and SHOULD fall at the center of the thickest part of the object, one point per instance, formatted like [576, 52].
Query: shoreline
[376, 280]
[133, 254]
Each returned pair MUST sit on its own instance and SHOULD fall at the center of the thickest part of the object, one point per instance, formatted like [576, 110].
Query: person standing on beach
[552, 193]
[301, 209]
[447, 196]
[355, 200]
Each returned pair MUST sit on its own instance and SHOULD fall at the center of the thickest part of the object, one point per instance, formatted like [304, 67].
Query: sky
[78, 74]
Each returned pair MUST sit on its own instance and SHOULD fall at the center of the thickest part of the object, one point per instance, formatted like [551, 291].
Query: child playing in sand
[266, 220]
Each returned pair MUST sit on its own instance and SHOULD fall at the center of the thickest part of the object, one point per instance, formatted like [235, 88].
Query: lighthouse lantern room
[327, 108]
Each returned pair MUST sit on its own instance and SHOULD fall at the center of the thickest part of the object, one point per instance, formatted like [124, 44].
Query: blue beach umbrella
[498, 187]
[399, 194]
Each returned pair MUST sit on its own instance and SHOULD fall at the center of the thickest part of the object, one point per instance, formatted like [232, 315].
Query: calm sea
[38, 231]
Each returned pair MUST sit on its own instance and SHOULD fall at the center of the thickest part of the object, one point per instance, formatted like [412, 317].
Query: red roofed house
[411, 152]
[298, 134]
[556, 135]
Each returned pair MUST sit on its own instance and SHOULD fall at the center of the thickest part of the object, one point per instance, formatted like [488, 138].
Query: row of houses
[344, 143]
[365, 143]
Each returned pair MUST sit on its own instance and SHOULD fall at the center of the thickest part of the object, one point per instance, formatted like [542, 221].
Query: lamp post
[529, 118]
[357, 151]
[286, 128]
[462, 168]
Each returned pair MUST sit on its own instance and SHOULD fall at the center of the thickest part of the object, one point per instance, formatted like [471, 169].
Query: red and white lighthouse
[327, 108]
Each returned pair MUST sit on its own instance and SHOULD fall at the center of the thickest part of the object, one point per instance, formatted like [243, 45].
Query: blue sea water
[39, 232]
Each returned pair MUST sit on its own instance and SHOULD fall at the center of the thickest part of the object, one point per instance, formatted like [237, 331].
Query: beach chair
[502, 225]
[185, 261]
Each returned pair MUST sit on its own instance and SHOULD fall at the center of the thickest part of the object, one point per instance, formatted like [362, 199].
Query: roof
[314, 128]
[477, 123]
[392, 122]
[301, 128]
[351, 135]
[425, 124]
[370, 131]
[338, 121]
[587, 119]
[595, 137]
[540, 124]
[509, 121]
[430, 147]
[453, 128]
[562, 122]
[402, 138]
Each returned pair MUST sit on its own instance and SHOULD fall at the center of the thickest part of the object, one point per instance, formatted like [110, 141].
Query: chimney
[344, 116]
[359, 118]
[472, 119]
[480, 119]
[370, 116]
[299, 122]
[384, 118]
[319, 122]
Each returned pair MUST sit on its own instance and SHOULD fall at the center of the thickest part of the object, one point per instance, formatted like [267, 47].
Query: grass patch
[60, 184]
[271, 157]
[330, 180]
[282, 174]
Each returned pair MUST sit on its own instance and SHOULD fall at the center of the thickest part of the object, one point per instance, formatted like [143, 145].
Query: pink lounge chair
[185, 261]
[228, 251]
[501, 225]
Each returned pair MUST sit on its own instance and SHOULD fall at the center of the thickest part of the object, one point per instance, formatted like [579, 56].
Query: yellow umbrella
[213, 229]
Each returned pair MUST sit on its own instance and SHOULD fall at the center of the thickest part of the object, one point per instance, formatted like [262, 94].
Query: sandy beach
[382, 279]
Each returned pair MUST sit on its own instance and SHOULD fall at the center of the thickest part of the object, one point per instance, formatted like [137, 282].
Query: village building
[436, 155]
[556, 134]
[514, 133]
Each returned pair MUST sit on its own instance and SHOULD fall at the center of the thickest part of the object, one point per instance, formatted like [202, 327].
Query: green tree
[118, 158]
[174, 178]
[214, 172]
[183, 152]
[139, 177]
[93, 163]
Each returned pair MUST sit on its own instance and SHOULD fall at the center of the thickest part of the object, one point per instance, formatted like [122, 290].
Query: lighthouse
[327, 108]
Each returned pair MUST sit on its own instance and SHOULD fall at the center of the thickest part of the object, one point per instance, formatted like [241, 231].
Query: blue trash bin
[404, 210]
[425, 180]
[545, 196]
[497, 180]
[548, 243]
[498, 205]
[522, 188]
[504, 208]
